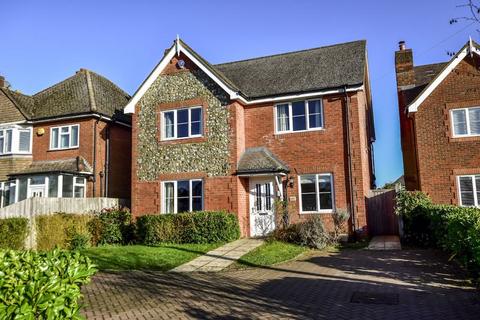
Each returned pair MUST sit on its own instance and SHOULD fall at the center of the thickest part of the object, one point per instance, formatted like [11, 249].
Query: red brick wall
[120, 152]
[440, 156]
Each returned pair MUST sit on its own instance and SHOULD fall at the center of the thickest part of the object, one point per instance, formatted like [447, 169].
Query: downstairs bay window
[316, 193]
[469, 190]
[182, 196]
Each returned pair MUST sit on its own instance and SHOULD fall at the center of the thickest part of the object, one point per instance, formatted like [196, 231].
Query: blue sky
[44, 42]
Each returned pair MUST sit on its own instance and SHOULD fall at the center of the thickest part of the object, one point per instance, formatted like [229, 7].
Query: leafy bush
[42, 285]
[312, 233]
[112, 226]
[57, 230]
[451, 228]
[13, 232]
[340, 217]
[196, 227]
[406, 201]
[79, 241]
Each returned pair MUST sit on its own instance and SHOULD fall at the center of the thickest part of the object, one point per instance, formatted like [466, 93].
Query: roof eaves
[17, 104]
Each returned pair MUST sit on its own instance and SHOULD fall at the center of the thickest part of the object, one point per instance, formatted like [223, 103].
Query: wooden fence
[381, 216]
[31, 207]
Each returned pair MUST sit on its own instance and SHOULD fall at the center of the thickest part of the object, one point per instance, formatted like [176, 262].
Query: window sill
[330, 211]
[62, 149]
[184, 140]
[464, 138]
[299, 132]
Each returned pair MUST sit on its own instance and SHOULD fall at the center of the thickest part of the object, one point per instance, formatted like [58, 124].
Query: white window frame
[76, 184]
[175, 123]
[475, 197]
[317, 175]
[467, 119]
[15, 134]
[290, 117]
[175, 195]
[59, 137]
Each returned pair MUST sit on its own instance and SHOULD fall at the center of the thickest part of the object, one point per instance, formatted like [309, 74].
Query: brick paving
[352, 284]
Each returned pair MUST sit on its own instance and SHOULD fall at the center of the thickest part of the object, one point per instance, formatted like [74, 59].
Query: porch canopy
[77, 165]
[260, 161]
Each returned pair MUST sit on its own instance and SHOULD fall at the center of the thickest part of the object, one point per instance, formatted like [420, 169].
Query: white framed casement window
[469, 190]
[465, 122]
[316, 193]
[297, 116]
[79, 187]
[15, 140]
[182, 196]
[182, 123]
[64, 137]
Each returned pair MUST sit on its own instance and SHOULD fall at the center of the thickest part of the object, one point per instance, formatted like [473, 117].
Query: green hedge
[59, 229]
[451, 228]
[13, 232]
[42, 285]
[112, 226]
[196, 227]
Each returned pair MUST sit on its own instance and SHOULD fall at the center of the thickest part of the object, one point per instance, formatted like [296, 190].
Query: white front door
[262, 215]
[37, 191]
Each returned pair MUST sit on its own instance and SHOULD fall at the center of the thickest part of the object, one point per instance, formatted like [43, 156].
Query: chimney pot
[401, 45]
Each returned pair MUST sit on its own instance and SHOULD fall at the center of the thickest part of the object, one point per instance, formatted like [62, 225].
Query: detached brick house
[439, 108]
[69, 140]
[236, 136]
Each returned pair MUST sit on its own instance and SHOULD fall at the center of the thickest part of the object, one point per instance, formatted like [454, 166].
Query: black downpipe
[349, 159]
[95, 156]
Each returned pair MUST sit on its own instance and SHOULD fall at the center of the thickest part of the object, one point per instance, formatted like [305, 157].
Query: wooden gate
[381, 217]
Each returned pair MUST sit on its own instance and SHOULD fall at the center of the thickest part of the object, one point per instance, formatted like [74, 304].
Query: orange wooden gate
[381, 217]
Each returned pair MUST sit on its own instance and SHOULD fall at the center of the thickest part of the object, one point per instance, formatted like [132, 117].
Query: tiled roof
[84, 92]
[260, 160]
[425, 73]
[74, 165]
[301, 71]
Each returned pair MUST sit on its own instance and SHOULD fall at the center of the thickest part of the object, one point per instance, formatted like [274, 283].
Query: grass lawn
[270, 253]
[137, 257]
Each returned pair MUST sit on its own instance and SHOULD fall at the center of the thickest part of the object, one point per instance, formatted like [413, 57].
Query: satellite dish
[181, 64]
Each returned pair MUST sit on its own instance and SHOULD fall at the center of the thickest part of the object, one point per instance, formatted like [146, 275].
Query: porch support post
[278, 182]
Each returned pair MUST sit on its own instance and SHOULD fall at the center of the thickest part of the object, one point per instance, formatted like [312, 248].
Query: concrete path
[385, 243]
[220, 258]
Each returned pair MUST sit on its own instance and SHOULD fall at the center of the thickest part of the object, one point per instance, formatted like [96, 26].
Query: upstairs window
[466, 122]
[65, 137]
[182, 123]
[15, 140]
[182, 196]
[299, 116]
[469, 190]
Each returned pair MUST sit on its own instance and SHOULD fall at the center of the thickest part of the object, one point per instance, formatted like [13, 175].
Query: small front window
[65, 137]
[182, 123]
[469, 190]
[299, 116]
[182, 196]
[466, 122]
[316, 193]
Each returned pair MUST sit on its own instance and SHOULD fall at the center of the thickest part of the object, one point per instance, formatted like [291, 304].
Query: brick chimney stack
[3, 83]
[404, 67]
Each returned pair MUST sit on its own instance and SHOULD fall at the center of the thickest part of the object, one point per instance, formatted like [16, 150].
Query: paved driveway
[352, 284]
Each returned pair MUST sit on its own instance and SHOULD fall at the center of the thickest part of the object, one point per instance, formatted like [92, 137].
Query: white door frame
[262, 220]
[36, 188]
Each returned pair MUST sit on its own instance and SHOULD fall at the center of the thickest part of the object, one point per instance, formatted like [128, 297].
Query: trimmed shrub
[112, 226]
[312, 233]
[451, 228]
[45, 285]
[58, 230]
[13, 232]
[195, 227]
[79, 241]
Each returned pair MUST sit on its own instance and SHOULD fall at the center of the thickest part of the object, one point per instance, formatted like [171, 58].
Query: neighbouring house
[69, 140]
[439, 107]
[238, 136]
